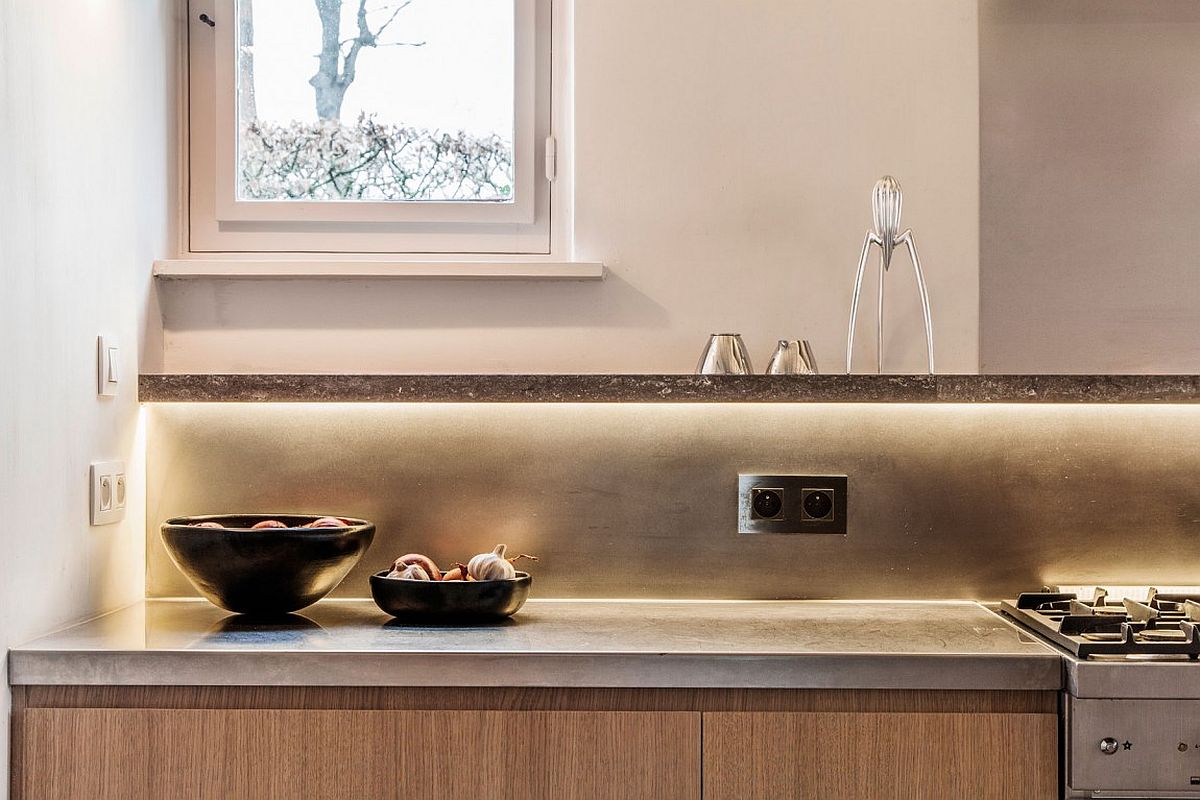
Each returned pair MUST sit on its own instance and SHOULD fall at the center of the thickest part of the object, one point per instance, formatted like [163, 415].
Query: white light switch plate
[107, 361]
[108, 493]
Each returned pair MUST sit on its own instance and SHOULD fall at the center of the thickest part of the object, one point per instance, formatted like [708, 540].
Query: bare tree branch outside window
[331, 159]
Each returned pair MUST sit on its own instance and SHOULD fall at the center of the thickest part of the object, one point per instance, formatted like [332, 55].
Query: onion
[328, 522]
[424, 562]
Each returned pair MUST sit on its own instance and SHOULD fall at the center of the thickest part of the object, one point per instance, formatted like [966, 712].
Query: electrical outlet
[108, 492]
[792, 504]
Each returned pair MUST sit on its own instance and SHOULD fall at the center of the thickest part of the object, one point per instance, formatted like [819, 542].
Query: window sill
[220, 269]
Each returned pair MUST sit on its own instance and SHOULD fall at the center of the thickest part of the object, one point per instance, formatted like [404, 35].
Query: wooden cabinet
[880, 756]
[267, 754]
[288, 743]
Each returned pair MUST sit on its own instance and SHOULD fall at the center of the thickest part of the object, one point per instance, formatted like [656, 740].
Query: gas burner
[1143, 622]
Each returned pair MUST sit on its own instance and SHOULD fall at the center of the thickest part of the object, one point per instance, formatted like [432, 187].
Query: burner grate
[1161, 624]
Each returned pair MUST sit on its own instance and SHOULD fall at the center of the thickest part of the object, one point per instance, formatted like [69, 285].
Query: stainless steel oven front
[1132, 748]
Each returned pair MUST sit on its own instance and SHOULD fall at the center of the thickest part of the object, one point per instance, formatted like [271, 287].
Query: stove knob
[1108, 745]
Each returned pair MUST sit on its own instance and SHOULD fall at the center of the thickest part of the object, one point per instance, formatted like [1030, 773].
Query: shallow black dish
[450, 601]
[267, 571]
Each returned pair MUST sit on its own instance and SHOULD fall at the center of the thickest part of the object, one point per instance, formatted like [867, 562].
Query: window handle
[551, 158]
[207, 20]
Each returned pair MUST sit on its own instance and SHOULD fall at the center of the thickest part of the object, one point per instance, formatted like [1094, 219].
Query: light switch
[108, 492]
[107, 356]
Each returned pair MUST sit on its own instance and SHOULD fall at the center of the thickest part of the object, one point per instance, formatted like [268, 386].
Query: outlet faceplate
[790, 504]
[108, 492]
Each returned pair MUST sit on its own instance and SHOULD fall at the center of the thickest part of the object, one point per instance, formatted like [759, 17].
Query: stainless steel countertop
[800, 645]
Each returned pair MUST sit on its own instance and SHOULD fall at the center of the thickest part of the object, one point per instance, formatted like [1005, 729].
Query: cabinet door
[883, 756]
[154, 754]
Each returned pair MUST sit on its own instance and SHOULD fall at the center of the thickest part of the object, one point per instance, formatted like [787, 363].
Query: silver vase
[725, 354]
[793, 357]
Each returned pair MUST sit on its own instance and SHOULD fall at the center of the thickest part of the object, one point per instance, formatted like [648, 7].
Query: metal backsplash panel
[640, 500]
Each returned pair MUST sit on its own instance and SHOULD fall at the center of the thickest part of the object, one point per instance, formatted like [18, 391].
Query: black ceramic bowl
[267, 571]
[450, 601]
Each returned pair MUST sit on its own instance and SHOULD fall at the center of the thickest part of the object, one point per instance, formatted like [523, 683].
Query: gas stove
[1131, 707]
[1156, 623]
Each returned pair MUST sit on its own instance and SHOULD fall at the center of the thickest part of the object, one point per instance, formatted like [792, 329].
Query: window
[384, 126]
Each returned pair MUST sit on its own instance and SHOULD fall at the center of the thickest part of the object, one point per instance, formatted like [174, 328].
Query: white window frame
[218, 222]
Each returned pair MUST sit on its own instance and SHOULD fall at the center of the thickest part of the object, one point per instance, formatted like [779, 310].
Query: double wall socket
[792, 504]
[109, 486]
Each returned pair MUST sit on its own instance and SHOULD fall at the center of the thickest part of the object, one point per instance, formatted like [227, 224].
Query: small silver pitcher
[725, 354]
[793, 357]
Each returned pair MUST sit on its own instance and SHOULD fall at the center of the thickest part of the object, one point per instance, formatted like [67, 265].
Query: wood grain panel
[539, 699]
[16, 734]
[271, 754]
[880, 756]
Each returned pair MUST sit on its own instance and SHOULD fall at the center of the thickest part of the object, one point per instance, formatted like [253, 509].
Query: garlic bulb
[412, 572]
[492, 566]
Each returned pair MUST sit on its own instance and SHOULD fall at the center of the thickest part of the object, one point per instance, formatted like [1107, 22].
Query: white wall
[1090, 112]
[726, 151]
[85, 93]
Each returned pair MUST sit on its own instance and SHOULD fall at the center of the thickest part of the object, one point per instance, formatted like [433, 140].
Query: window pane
[375, 100]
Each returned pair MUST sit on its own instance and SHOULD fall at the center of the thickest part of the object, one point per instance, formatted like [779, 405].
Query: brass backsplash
[639, 500]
